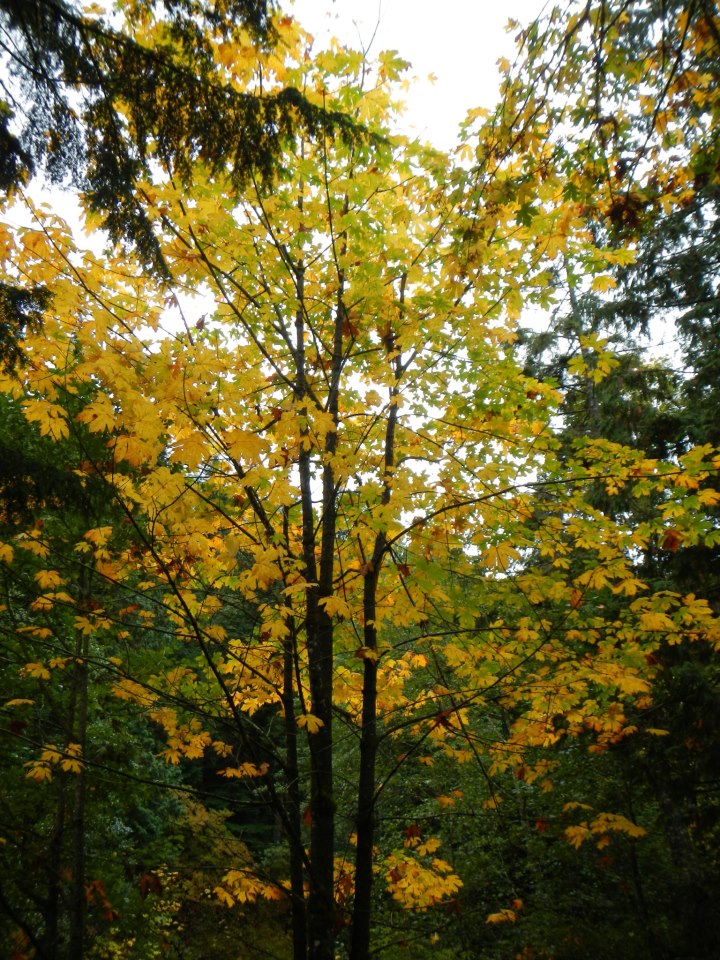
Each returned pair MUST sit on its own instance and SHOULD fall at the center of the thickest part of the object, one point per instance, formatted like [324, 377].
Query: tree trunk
[292, 804]
[49, 941]
[319, 637]
[360, 940]
[78, 899]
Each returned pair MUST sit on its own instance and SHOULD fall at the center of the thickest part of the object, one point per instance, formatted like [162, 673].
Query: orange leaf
[671, 540]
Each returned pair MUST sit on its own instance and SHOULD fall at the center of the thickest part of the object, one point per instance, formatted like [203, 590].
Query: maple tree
[335, 494]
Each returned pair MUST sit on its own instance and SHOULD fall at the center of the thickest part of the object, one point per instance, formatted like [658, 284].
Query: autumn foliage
[327, 533]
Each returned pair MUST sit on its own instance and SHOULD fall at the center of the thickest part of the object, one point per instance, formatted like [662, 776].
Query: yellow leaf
[604, 822]
[48, 600]
[602, 283]
[224, 897]
[49, 579]
[38, 671]
[500, 556]
[98, 536]
[632, 684]
[244, 770]
[502, 916]
[99, 415]
[86, 626]
[36, 547]
[244, 445]
[657, 622]
[45, 602]
[367, 653]
[59, 663]
[38, 771]
[310, 723]
[335, 606]
[429, 846]
[51, 754]
[514, 304]
[71, 761]
[134, 692]
[577, 835]
[51, 418]
[195, 748]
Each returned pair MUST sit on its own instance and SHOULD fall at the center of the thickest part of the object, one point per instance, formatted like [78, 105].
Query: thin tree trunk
[319, 637]
[360, 941]
[292, 804]
[321, 902]
[78, 900]
[49, 941]
[362, 910]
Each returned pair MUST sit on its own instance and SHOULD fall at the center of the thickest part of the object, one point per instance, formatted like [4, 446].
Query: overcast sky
[459, 41]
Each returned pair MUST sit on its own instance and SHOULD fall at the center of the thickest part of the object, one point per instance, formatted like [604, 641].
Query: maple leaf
[99, 415]
[245, 770]
[671, 540]
[335, 606]
[502, 916]
[38, 771]
[223, 896]
[577, 835]
[38, 671]
[366, 653]
[310, 723]
[50, 417]
[71, 760]
[49, 579]
[602, 283]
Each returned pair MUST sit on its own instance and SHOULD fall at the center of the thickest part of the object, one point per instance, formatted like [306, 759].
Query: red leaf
[671, 540]
[150, 883]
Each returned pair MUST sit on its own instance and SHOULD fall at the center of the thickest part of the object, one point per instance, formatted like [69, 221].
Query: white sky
[459, 41]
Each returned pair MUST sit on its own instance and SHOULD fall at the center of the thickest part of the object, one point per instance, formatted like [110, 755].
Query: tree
[656, 195]
[340, 495]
